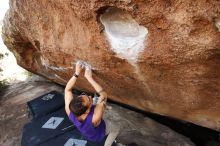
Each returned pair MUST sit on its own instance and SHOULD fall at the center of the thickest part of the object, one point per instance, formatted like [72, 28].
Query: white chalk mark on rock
[46, 64]
[126, 38]
[124, 34]
[217, 23]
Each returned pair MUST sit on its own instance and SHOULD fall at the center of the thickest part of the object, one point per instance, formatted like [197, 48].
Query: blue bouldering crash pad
[51, 126]
[45, 104]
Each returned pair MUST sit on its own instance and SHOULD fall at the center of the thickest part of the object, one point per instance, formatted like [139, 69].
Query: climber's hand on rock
[79, 67]
[88, 72]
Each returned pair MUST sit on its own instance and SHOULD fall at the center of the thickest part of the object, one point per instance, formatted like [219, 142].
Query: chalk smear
[124, 34]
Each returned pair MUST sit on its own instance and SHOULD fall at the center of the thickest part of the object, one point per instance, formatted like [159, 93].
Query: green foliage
[3, 84]
[1, 56]
[28, 74]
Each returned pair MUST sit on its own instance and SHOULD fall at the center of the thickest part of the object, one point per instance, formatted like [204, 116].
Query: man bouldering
[88, 118]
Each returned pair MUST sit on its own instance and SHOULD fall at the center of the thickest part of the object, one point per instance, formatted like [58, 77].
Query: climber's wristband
[75, 75]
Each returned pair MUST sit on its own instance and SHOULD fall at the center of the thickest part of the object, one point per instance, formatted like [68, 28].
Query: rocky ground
[139, 129]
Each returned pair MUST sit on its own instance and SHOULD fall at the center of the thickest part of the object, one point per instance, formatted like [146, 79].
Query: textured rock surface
[143, 131]
[176, 73]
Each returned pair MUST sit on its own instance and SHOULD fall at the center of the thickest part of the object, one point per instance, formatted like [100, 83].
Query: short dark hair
[77, 107]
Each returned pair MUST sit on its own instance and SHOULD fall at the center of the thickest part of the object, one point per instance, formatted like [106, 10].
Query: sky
[11, 71]
[3, 8]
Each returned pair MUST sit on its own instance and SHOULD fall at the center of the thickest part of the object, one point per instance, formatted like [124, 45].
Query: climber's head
[80, 104]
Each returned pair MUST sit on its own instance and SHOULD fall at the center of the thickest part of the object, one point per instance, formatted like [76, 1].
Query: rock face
[158, 56]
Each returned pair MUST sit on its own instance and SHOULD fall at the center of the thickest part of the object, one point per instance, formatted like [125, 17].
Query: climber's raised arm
[69, 87]
[100, 107]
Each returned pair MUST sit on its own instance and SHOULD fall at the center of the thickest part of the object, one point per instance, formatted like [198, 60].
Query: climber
[84, 115]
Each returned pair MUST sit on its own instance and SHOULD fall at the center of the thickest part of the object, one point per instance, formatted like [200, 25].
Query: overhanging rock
[171, 69]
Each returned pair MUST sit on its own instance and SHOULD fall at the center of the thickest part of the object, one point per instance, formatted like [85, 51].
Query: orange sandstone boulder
[158, 56]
